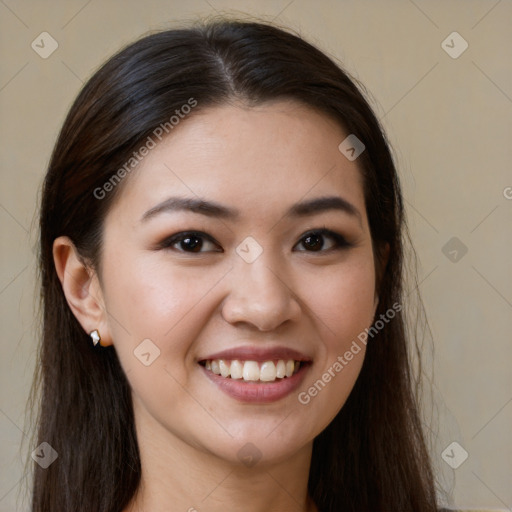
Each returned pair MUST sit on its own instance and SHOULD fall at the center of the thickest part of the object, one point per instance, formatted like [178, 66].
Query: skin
[260, 160]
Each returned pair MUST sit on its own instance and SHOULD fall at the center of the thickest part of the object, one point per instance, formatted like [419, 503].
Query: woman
[222, 284]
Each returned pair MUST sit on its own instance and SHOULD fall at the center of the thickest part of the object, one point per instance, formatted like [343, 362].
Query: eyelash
[340, 242]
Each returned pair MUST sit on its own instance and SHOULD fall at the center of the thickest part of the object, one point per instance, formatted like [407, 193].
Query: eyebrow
[216, 210]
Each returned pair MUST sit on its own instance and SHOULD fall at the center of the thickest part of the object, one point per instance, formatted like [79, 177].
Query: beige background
[448, 119]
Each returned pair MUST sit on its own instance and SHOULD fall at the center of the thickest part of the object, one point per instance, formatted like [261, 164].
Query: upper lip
[259, 354]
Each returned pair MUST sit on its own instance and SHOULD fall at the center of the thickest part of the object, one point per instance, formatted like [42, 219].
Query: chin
[260, 443]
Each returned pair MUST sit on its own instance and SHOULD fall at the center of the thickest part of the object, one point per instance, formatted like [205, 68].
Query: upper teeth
[251, 370]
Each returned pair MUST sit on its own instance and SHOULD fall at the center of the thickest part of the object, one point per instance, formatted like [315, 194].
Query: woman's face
[255, 284]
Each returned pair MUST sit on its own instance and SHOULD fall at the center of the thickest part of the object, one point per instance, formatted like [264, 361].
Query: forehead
[257, 159]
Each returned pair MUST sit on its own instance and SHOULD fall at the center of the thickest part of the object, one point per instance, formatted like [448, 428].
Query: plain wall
[448, 119]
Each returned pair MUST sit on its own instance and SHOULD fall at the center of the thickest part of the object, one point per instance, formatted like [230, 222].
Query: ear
[82, 289]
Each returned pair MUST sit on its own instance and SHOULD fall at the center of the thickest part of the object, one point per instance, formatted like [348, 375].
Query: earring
[95, 335]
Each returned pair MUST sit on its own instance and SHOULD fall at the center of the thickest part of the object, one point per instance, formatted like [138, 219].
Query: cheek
[166, 306]
[156, 301]
[343, 302]
[142, 295]
[344, 299]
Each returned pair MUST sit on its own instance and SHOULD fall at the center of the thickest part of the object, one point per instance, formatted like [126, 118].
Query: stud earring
[95, 335]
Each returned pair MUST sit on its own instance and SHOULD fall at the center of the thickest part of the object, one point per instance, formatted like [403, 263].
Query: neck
[178, 475]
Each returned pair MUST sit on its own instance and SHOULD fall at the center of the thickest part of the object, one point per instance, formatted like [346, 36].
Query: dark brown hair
[372, 457]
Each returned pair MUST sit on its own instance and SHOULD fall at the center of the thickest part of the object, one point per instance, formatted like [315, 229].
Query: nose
[260, 296]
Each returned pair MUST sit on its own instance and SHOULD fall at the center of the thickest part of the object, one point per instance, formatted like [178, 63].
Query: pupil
[191, 243]
[313, 242]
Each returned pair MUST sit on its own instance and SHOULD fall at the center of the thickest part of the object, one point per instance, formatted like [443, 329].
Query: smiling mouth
[253, 371]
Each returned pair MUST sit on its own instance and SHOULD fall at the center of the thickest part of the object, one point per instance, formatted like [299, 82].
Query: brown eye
[191, 242]
[323, 240]
[313, 242]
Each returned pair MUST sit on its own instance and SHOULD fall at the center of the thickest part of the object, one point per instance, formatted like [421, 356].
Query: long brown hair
[373, 456]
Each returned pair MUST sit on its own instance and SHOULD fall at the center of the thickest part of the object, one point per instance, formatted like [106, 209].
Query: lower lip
[258, 392]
